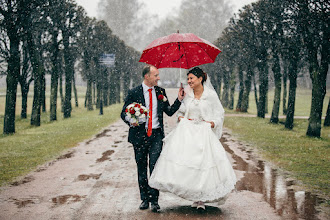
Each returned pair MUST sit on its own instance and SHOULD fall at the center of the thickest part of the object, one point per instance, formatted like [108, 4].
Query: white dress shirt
[155, 122]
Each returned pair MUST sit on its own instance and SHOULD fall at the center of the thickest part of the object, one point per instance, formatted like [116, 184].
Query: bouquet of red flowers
[136, 113]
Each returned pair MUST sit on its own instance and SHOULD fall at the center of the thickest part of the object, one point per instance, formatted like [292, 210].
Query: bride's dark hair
[198, 72]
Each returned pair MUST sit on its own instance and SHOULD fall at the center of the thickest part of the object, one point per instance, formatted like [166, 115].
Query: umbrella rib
[184, 52]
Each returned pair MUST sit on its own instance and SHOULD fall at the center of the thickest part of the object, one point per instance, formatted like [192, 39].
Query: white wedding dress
[193, 164]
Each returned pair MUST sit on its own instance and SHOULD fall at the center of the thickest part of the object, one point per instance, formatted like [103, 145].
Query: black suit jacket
[137, 134]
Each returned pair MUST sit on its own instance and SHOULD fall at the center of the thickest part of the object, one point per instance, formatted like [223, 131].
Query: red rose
[137, 105]
[132, 111]
[160, 97]
[141, 111]
[126, 110]
[146, 113]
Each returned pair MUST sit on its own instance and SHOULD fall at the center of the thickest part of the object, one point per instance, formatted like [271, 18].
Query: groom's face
[153, 77]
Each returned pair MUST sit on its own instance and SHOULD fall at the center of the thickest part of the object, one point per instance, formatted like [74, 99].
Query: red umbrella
[179, 51]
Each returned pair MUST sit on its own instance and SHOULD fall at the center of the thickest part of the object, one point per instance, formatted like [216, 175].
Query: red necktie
[150, 114]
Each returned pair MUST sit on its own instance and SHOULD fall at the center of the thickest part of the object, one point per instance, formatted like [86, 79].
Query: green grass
[302, 108]
[32, 146]
[306, 158]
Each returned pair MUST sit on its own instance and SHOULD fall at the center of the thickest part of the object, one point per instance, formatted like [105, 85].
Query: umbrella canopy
[179, 51]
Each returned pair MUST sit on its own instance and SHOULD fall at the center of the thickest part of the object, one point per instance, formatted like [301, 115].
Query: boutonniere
[162, 97]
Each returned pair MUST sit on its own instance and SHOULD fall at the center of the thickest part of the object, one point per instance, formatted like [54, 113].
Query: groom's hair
[146, 70]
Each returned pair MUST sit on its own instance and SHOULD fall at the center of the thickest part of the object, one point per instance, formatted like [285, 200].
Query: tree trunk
[94, 93]
[75, 91]
[98, 97]
[12, 81]
[117, 83]
[53, 92]
[89, 95]
[61, 92]
[318, 75]
[263, 87]
[241, 90]
[247, 87]
[232, 87]
[112, 89]
[43, 93]
[232, 94]
[277, 92]
[318, 93]
[37, 69]
[36, 106]
[68, 77]
[285, 80]
[225, 92]
[220, 84]
[106, 88]
[292, 95]
[327, 117]
[25, 85]
[255, 91]
[25, 92]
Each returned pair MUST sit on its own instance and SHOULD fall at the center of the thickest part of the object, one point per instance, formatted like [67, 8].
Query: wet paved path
[97, 180]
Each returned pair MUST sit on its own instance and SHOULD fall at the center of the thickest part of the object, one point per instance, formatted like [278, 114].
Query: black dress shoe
[144, 205]
[154, 206]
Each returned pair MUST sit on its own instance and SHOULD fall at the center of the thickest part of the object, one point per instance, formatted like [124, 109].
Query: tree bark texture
[277, 92]
[327, 117]
[247, 89]
[292, 94]
[68, 77]
[12, 81]
[241, 90]
[263, 88]
[285, 93]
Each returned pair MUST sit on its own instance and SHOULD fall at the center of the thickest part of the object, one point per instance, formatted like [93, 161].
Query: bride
[193, 164]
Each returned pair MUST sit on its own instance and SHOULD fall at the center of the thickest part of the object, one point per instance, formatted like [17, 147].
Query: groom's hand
[181, 94]
[134, 124]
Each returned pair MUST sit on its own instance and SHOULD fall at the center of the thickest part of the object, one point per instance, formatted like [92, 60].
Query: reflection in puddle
[66, 199]
[261, 178]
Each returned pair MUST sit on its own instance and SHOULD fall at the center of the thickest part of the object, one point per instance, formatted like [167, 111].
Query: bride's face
[194, 81]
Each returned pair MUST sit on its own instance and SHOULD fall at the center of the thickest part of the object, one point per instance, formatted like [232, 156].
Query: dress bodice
[195, 110]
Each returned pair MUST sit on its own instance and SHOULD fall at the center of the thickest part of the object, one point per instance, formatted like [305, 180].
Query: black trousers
[150, 148]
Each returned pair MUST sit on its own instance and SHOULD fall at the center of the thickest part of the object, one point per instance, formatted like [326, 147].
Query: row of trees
[279, 38]
[57, 38]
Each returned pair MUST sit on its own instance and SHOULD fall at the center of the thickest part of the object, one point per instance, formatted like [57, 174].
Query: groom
[147, 137]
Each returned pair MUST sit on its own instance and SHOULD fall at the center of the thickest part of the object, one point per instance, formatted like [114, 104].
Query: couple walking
[190, 161]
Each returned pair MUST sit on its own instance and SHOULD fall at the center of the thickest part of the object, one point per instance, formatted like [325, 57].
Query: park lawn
[307, 159]
[302, 107]
[29, 147]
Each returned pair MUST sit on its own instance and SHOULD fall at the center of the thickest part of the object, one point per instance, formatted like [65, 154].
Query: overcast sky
[160, 7]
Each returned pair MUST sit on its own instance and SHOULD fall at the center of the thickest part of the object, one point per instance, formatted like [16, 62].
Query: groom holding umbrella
[173, 51]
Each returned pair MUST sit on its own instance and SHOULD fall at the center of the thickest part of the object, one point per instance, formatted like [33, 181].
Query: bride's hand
[212, 123]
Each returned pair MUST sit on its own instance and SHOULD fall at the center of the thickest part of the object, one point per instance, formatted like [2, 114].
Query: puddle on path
[23, 203]
[66, 199]
[261, 178]
[26, 179]
[102, 134]
[105, 156]
[65, 156]
[84, 177]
